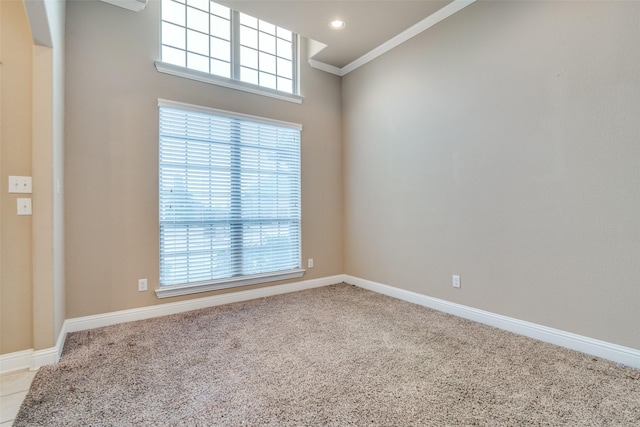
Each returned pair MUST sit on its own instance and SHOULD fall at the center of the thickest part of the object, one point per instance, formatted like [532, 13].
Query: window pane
[267, 43]
[249, 21]
[220, 68]
[285, 85]
[284, 34]
[200, 4]
[285, 49]
[220, 28]
[267, 63]
[198, 20]
[248, 57]
[173, 35]
[248, 75]
[173, 56]
[266, 27]
[220, 49]
[197, 42]
[220, 10]
[285, 68]
[173, 12]
[268, 80]
[248, 37]
[206, 29]
[197, 62]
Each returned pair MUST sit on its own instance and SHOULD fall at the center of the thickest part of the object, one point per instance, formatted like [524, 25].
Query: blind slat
[229, 197]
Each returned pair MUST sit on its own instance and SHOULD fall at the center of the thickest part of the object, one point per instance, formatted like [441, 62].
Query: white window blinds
[229, 195]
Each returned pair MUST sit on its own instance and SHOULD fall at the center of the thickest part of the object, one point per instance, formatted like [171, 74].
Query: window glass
[229, 197]
[210, 36]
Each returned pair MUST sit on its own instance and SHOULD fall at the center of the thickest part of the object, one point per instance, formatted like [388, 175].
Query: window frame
[234, 82]
[215, 284]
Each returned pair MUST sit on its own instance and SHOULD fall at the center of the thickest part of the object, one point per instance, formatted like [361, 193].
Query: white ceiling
[369, 23]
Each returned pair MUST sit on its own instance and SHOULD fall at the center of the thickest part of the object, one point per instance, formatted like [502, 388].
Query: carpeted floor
[338, 356]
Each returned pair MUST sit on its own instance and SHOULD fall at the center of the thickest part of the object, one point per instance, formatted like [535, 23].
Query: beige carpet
[335, 356]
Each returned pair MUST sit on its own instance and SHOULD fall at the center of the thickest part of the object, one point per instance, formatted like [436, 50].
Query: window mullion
[296, 70]
[235, 45]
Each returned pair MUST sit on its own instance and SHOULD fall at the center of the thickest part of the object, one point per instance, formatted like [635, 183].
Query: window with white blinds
[229, 197]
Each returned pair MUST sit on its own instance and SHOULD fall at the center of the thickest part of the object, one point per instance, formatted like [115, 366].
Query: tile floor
[13, 390]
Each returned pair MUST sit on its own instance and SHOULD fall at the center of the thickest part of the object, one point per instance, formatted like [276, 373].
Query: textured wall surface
[503, 144]
[111, 157]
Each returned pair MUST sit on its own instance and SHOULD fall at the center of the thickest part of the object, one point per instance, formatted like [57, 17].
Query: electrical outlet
[456, 281]
[20, 184]
[24, 206]
[310, 263]
[142, 285]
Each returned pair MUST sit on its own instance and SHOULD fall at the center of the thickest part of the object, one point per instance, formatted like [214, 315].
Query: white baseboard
[30, 359]
[107, 319]
[16, 361]
[616, 353]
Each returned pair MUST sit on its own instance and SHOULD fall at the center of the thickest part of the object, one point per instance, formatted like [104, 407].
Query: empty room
[301, 212]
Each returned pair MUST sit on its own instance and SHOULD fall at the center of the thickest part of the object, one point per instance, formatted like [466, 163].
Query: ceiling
[369, 23]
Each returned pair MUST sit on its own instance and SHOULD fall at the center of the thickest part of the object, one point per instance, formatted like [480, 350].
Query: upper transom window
[205, 36]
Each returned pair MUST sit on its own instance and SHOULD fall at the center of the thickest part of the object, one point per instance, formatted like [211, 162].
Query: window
[229, 199]
[206, 37]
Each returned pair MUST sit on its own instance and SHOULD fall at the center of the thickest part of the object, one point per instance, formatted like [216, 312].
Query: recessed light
[337, 24]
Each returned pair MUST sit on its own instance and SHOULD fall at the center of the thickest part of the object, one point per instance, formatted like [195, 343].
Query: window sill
[193, 288]
[186, 73]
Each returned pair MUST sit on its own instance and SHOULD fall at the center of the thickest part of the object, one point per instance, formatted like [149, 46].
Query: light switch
[24, 206]
[20, 184]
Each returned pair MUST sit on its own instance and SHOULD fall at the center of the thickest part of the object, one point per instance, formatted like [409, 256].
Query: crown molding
[326, 67]
[385, 47]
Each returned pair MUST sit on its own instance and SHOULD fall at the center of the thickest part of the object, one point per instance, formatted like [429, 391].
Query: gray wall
[503, 144]
[111, 200]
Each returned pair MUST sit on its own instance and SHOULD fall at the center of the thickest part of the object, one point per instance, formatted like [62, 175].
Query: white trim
[407, 34]
[617, 353]
[426, 23]
[48, 356]
[16, 361]
[228, 114]
[142, 313]
[62, 337]
[194, 288]
[326, 67]
[29, 359]
[33, 359]
[133, 5]
[199, 76]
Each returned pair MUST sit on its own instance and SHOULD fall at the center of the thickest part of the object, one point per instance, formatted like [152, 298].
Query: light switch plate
[20, 184]
[24, 206]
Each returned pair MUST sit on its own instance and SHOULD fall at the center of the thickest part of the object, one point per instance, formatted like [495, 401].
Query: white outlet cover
[456, 281]
[24, 206]
[20, 184]
[142, 285]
